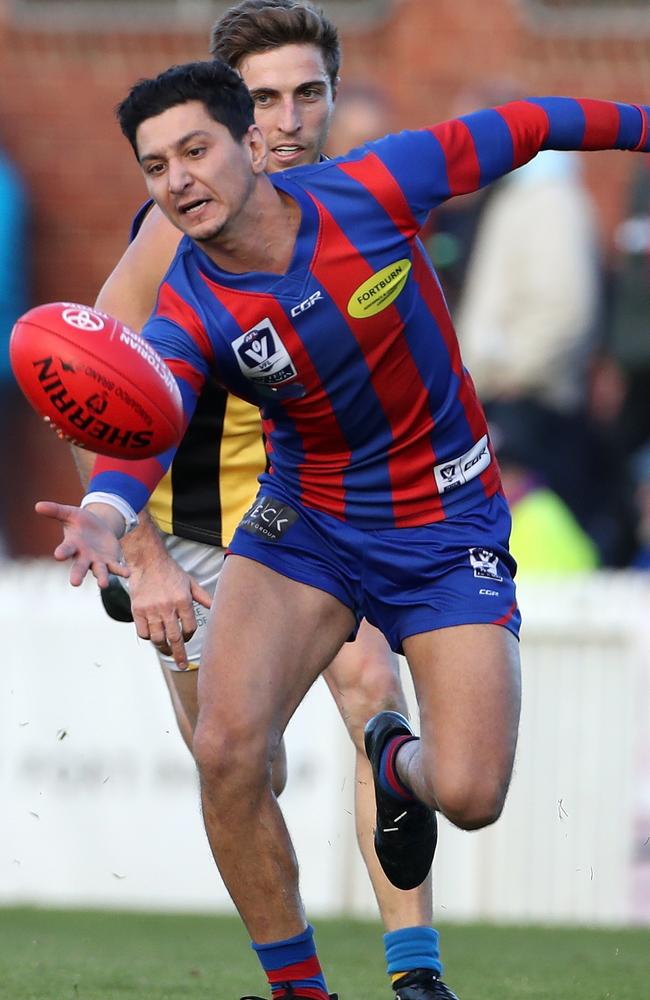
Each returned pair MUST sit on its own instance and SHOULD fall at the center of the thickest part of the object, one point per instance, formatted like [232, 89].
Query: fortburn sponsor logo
[268, 518]
[379, 291]
[84, 415]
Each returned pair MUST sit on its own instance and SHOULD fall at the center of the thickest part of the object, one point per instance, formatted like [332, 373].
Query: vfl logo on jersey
[379, 291]
[262, 356]
[485, 565]
[268, 519]
[457, 471]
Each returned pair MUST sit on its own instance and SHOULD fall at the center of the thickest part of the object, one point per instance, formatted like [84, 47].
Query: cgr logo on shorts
[268, 518]
[262, 357]
[485, 564]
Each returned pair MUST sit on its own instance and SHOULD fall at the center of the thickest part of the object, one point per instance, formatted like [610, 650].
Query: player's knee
[471, 804]
[376, 688]
[231, 760]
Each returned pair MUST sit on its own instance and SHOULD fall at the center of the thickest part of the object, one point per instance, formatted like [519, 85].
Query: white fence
[99, 801]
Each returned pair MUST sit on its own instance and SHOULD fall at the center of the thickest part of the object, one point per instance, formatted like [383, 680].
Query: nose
[289, 117]
[178, 177]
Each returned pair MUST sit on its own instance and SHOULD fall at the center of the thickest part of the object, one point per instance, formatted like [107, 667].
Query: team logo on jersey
[262, 356]
[379, 291]
[485, 564]
[268, 519]
[449, 475]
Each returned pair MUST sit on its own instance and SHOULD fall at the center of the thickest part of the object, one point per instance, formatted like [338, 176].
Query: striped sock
[389, 779]
[294, 962]
[412, 948]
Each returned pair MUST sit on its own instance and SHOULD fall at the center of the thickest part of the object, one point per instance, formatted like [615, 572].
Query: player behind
[288, 54]
[384, 497]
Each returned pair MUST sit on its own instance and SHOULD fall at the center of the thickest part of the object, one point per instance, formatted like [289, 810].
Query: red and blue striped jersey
[368, 412]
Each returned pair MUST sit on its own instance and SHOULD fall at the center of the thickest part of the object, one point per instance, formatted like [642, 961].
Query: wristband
[120, 505]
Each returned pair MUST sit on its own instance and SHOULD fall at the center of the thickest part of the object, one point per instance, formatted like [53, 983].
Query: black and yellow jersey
[213, 478]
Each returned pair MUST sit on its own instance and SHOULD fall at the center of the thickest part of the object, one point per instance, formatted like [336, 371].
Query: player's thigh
[182, 686]
[268, 639]
[364, 679]
[468, 686]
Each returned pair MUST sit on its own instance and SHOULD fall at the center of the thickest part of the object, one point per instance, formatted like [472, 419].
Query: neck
[261, 237]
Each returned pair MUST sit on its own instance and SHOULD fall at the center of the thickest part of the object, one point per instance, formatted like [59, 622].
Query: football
[98, 384]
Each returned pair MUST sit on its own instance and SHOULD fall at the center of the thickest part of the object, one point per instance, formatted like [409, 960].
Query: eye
[262, 100]
[154, 169]
[195, 152]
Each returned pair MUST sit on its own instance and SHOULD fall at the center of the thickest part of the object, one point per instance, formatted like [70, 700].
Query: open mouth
[193, 207]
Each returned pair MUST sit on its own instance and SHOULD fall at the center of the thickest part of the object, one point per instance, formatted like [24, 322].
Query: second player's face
[197, 174]
[293, 101]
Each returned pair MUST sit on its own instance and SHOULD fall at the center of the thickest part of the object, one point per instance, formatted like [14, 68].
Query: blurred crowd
[553, 330]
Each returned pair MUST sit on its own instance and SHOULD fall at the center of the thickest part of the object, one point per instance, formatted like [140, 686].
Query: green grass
[48, 955]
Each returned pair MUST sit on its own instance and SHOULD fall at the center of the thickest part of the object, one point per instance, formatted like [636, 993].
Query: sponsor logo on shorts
[262, 357]
[379, 291]
[484, 592]
[485, 564]
[453, 473]
[268, 518]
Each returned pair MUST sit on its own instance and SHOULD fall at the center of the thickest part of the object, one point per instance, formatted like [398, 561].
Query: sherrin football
[98, 384]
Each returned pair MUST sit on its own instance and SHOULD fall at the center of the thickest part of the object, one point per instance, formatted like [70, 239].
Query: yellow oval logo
[380, 290]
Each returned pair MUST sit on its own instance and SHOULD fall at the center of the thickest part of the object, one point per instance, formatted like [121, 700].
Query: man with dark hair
[383, 500]
[288, 54]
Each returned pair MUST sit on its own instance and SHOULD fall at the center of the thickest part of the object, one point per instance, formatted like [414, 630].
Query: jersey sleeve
[189, 361]
[464, 154]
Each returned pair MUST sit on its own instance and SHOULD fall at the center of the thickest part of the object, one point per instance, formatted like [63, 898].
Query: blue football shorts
[403, 580]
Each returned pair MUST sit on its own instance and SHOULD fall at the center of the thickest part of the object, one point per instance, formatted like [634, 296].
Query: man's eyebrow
[194, 134]
[274, 90]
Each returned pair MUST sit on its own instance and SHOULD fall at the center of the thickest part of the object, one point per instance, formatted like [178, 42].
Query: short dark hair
[214, 84]
[260, 25]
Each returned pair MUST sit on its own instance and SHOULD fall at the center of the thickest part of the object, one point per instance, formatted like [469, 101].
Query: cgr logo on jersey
[262, 356]
[268, 518]
[485, 564]
[449, 475]
[379, 291]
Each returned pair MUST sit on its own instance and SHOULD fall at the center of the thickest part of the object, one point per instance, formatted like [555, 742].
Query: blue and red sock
[294, 962]
[389, 779]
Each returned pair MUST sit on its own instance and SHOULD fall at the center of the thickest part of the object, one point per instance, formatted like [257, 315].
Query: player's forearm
[84, 461]
[144, 544]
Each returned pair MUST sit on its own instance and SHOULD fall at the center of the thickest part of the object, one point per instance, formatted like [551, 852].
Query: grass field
[48, 955]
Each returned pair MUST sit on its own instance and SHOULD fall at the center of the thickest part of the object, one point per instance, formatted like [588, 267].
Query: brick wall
[58, 90]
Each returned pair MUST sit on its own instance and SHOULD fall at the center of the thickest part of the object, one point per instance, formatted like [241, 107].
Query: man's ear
[258, 149]
[335, 88]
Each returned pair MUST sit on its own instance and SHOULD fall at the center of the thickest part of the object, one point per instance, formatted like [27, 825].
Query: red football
[97, 383]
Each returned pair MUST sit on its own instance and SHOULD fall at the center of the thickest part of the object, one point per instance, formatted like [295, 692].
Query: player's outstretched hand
[88, 540]
[163, 596]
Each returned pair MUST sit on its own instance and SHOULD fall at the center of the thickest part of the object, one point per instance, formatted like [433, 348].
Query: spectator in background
[629, 329]
[363, 113]
[527, 319]
[545, 536]
[14, 300]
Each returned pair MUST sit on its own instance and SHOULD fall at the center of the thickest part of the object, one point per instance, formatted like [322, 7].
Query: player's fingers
[141, 622]
[176, 643]
[119, 568]
[78, 570]
[201, 595]
[187, 620]
[48, 508]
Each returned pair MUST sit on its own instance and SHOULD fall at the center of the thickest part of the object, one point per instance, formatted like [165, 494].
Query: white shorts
[203, 562]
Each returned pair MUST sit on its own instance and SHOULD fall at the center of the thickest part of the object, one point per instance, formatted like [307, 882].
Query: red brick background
[58, 91]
